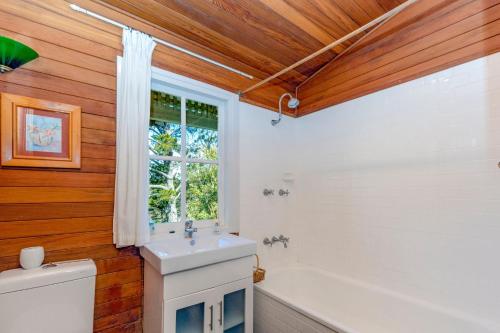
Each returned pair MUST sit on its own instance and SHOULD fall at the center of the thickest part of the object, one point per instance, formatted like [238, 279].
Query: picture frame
[39, 133]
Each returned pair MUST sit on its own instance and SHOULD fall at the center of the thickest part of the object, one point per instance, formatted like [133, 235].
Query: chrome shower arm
[275, 122]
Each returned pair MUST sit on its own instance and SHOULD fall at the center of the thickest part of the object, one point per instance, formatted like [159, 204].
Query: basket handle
[258, 261]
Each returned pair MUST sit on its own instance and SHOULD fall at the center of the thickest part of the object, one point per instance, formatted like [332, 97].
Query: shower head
[292, 104]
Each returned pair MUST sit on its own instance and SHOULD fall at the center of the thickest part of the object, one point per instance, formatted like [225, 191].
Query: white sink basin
[173, 253]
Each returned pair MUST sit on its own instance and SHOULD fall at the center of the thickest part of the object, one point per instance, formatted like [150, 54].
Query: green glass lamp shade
[14, 54]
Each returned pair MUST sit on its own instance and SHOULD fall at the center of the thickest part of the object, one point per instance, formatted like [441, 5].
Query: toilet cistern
[55, 298]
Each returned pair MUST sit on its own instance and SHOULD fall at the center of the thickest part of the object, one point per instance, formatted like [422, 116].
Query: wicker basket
[259, 273]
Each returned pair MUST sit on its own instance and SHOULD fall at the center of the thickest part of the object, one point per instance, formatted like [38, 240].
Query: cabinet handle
[220, 313]
[211, 318]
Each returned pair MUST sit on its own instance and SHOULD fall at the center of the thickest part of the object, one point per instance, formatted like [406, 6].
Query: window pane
[201, 187]
[234, 312]
[201, 130]
[164, 191]
[165, 125]
[190, 319]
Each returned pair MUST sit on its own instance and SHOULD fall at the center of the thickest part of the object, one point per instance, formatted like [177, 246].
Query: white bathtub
[342, 305]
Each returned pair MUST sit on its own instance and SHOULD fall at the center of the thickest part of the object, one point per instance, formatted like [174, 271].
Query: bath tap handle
[267, 242]
[283, 193]
[267, 192]
[284, 240]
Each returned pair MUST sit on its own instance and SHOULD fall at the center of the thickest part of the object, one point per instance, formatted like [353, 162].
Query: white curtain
[130, 223]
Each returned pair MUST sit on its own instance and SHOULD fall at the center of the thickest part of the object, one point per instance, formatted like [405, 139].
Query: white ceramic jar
[32, 257]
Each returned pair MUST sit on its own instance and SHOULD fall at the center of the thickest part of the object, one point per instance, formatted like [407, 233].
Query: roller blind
[165, 107]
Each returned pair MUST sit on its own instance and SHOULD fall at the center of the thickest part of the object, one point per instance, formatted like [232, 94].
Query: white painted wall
[399, 188]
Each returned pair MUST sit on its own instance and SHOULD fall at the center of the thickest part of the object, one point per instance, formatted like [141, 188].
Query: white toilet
[54, 298]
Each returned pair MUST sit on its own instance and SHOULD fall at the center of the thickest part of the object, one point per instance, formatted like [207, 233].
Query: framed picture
[39, 133]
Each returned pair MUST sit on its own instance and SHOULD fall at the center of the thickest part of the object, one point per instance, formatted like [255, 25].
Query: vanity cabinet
[216, 298]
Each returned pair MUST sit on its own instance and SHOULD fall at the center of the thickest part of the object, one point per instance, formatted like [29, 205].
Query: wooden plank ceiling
[431, 36]
[262, 36]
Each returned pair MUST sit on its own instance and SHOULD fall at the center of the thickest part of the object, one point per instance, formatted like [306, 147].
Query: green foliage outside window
[165, 175]
[202, 190]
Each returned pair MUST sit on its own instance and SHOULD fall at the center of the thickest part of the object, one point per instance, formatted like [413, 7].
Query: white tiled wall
[266, 155]
[399, 188]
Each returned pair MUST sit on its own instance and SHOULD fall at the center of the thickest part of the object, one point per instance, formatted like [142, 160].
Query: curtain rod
[344, 52]
[379, 19]
[160, 41]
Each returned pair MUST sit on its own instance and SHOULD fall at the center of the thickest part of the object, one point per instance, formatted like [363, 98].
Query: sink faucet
[188, 229]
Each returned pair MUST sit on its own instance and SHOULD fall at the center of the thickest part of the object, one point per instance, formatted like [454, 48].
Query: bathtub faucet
[189, 230]
[274, 239]
[284, 240]
[267, 242]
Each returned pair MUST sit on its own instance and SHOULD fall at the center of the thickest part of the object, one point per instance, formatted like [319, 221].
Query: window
[184, 157]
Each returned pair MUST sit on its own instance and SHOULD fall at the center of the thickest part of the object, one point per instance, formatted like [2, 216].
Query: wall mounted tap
[267, 192]
[189, 230]
[284, 240]
[274, 239]
[283, 193]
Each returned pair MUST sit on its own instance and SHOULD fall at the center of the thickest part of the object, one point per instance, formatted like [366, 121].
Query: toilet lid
[58, 272]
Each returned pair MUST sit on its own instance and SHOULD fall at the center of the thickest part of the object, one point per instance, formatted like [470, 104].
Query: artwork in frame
[39, 133]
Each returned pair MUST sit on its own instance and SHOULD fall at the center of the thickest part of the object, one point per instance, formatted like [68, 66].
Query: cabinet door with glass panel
[224, 309]
[193, 313]
[185, 149]
[235, 307]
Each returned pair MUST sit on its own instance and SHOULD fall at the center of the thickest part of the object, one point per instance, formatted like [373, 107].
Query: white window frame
[227, 105]
[228, 177]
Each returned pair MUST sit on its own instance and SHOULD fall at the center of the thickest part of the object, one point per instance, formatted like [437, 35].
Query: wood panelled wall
[69, 212]
[430, 36]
